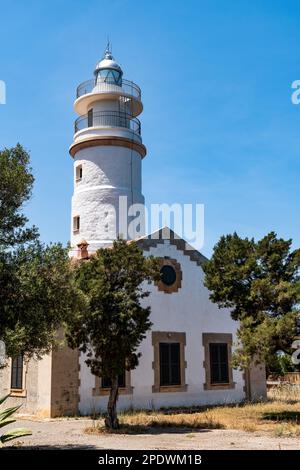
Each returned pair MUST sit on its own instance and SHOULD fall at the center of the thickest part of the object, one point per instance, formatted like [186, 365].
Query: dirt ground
[69, 434]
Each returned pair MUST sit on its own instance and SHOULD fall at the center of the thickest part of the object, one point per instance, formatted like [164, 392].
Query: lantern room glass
[111, 76]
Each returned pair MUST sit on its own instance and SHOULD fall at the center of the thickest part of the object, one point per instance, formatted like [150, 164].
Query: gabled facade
[186, 356]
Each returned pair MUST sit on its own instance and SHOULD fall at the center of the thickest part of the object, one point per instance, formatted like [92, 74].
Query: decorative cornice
[166, 233]
[105, 140]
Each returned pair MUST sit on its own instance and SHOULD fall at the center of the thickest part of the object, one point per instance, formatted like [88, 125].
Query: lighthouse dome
[108, 70]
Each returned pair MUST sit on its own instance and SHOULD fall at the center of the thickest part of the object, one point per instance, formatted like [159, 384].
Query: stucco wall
[36, 396]
[257, 386]
[189, 310]
[29, 398]
[64, 382]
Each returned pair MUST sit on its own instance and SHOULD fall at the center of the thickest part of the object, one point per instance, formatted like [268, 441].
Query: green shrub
[6, 419]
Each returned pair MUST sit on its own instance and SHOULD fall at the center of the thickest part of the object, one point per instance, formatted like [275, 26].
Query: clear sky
[218, 121]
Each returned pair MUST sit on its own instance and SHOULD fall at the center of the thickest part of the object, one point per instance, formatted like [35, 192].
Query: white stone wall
[189, 310]
[107, 173]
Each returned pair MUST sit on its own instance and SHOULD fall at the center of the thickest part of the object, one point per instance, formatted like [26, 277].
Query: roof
[108, 62]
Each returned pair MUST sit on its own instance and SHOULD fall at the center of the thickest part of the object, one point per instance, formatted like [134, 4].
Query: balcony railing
[108, 119]
[93, 86]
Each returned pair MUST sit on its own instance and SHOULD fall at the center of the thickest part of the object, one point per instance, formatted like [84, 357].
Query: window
[76, 223]
[102, 385]
[110, 76]
[168, 275]
[17, 373]
[169, 360]
[90, 118]
[79, 173]
[106, 383]
[218, 363]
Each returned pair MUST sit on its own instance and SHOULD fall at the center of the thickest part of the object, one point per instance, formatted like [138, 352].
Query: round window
[168, 275]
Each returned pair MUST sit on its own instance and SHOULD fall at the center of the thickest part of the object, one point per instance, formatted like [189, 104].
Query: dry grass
[285, 393]
[280, 415]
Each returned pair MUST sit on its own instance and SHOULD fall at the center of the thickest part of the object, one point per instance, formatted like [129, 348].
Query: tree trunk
[111, 421]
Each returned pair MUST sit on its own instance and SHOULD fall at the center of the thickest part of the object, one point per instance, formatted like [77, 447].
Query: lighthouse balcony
[107, 86]
[98, 89]
[103, 123]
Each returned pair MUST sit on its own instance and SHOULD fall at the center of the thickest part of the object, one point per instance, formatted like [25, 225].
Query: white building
[186, 355]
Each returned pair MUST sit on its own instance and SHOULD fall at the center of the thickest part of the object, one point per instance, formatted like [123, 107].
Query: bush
[5, 419]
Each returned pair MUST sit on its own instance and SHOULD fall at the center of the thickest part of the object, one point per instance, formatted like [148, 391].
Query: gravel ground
[69, 434]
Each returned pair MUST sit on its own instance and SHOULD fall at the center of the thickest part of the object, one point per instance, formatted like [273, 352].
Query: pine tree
[110, 330]
[259, 282]
[37, 289]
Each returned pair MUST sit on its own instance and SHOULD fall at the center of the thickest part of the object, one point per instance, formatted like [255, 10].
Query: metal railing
[97, 86]
[108, 119]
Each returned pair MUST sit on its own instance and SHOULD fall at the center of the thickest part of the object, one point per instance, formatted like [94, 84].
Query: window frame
[223, 338]
[99, 390]
[170, 289]
[78, 172]
[168, 337]
[76, 224]
[218, 364]
[18, 392]
[123, 383]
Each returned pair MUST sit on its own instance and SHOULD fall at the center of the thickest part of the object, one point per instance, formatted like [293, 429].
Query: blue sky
[218, 121]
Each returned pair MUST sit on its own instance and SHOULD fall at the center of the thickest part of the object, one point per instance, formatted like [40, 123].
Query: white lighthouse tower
[107, 150]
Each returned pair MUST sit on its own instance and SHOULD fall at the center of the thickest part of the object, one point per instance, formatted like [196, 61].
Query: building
[186, 355]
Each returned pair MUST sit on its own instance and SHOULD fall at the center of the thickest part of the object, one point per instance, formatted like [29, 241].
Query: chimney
[82, 252]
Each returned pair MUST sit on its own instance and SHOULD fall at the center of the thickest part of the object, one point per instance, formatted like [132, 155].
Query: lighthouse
[107, 150]
[185, 358]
